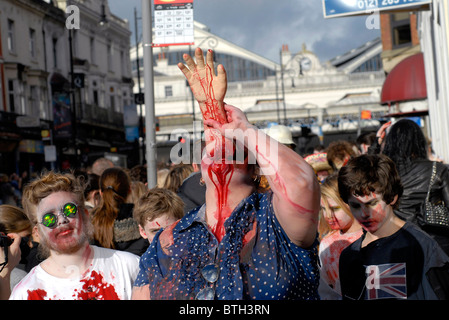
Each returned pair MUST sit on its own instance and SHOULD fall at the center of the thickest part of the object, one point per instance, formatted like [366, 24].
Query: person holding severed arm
[241, 244]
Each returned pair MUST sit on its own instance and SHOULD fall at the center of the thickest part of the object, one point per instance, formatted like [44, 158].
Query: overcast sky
[263, 26]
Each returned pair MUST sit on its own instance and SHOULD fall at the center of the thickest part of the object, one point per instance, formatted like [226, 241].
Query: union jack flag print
[386, 281]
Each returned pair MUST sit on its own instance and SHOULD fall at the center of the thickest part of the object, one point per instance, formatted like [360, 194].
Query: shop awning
[407, 81]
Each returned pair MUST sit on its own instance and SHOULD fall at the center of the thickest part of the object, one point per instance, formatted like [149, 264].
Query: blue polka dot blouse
[265, 265]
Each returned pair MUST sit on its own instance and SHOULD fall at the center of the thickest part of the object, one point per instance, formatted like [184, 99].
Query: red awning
[407, 81]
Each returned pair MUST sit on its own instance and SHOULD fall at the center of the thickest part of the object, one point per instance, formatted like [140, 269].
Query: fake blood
[94, 288]
[37, 294]
[211, 108]
[220, 173]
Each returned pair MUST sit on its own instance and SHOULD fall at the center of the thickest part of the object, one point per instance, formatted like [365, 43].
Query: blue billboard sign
[338, 8]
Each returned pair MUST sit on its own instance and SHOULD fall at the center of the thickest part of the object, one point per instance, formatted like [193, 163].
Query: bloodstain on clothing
[37, 294]
[95, 288]
[330, 249]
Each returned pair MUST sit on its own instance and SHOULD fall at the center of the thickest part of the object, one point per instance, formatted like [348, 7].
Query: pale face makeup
[152, 227]
[336, 217]
[370, 211]
[68, 236]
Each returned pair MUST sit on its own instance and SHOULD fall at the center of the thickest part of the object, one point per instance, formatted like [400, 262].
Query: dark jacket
[126, 232]
[415, 180]
[192, 193]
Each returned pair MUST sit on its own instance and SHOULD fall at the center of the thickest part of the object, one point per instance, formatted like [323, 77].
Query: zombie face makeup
[370, 211]
[335, 215]
[64, 231]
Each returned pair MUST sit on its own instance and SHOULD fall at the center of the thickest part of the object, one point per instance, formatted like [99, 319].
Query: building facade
[66, 80]
[301, 91]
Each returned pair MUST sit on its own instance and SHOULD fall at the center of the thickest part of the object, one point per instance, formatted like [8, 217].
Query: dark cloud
[263, 26]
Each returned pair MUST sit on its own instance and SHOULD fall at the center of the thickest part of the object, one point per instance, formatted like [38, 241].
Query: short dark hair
[370, 173]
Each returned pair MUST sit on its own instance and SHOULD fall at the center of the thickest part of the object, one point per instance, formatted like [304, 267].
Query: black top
[393, 267]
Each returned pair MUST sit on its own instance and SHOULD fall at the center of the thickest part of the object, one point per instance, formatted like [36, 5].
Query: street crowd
[359, 220]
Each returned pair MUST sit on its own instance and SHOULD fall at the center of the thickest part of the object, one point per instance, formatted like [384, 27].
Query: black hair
[405, 142]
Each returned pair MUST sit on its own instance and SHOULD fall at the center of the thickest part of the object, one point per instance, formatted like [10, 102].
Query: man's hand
[209, 88]
[382, 132]
[14, 255]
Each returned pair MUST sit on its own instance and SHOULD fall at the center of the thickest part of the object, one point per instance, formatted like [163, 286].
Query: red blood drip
[95, 288]
[220, 173]
[37, 294]
[212, 109]
[223, 174]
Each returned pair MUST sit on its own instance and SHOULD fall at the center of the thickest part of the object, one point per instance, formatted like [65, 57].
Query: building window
[400, 29]
[95, 93]
[92, 50]
[168, 91]
[43, 104]
[122, 63]
[11, 96]
[11, 36]
[55, 52]
[33, 102]
[33, 43]
[109, 54]
[95, 97]
[112, 102]
[22, 98]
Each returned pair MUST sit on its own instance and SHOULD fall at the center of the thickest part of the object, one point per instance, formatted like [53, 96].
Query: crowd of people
[349, 221]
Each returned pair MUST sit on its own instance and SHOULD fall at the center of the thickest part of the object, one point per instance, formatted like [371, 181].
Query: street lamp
[103, 19]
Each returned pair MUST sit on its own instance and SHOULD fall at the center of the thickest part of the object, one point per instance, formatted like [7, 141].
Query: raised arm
[208, 87]
[296, 191]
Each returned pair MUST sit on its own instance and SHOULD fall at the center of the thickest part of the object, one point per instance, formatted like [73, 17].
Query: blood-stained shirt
[256, 259]
[329, 252]
[110, 277]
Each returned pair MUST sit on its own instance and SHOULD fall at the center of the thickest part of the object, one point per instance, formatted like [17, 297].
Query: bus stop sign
[339, 8]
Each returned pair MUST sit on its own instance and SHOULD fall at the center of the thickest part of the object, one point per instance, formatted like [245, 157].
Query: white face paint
[69, 234]
[370, 211]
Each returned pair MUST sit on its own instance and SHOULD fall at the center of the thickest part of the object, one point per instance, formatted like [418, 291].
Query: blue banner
[338, 8]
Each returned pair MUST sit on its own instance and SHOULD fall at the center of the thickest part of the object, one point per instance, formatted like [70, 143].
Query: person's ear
[142, 232]
[395, 199]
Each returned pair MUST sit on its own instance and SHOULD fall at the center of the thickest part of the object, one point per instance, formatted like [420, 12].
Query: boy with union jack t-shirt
[393, 259]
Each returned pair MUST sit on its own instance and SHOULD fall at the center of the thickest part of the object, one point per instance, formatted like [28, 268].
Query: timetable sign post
[173, 23]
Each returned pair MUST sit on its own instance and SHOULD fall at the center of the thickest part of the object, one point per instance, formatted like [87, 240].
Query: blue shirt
[263, 265]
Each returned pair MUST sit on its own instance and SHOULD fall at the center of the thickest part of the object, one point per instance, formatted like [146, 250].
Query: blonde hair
[329, 189]
[161, 177]
[48, 183]
[138, 188]
[177, 175]
[13, 220]
[155, 203]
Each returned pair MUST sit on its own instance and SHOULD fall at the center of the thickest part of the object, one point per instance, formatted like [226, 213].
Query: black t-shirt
[393, 267]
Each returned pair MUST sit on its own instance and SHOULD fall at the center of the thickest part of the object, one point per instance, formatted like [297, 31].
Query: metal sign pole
[150, 134]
